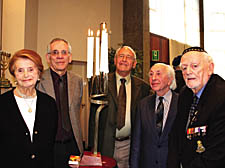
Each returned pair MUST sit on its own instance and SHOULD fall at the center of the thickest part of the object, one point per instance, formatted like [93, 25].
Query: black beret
[176, 60]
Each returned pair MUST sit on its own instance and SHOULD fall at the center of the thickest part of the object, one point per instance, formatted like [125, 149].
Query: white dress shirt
[125, 131]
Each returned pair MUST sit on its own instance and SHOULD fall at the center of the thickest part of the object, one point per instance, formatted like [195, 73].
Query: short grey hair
[171, 74]
[117, 51]
[59, 39]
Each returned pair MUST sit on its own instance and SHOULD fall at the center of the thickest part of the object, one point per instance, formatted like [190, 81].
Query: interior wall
[31, 22]
[176, 48]
[136, 29]
[116, 20]
[71, 20]
[13, 25]
[133, 23]
[146, 41]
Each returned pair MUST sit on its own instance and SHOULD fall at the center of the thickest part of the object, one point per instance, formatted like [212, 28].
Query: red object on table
[107, 162]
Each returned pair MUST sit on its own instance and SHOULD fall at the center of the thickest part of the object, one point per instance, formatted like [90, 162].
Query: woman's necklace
[25, 97]
[29, 104]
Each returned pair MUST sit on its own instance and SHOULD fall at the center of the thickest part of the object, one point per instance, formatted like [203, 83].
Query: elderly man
[67, 89]
[154, 118]
[197, 138]
[178, 73]
[116, 120]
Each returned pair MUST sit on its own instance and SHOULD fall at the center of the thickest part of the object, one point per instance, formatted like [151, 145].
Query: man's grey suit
[107, 123]
[75, 91]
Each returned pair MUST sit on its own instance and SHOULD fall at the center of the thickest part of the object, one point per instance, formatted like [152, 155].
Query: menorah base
[5, 83]
[91, 159]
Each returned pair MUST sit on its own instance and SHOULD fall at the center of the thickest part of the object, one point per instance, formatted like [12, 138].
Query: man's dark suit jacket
[17, 150]
[107, 122]
[211, 113]
[147, 148]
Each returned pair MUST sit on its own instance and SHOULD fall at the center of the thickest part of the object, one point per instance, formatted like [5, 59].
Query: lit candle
[90, 53]
[97, 44]
[104, 51]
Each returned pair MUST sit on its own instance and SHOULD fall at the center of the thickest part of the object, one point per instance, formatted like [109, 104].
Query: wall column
[136, 29]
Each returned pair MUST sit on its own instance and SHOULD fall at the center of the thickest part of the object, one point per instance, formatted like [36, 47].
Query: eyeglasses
[129, 57]
[56, 52]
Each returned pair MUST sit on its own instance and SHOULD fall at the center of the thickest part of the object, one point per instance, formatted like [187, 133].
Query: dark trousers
[62, 153]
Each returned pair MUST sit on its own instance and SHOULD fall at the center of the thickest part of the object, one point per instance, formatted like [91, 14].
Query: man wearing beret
[178, 73]
[197, 139]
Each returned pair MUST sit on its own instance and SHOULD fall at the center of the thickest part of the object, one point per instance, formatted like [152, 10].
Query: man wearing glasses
[116, 120]
[67, 90]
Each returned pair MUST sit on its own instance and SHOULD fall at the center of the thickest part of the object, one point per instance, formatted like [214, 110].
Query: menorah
[4, 64]
[98, 81]
[97, 85]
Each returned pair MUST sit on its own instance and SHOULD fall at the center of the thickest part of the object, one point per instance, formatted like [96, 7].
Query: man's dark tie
[192, 112]
[64, 109]
[159, 116]
[121, 113]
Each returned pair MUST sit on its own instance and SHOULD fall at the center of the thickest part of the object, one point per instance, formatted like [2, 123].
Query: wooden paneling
[162, 44]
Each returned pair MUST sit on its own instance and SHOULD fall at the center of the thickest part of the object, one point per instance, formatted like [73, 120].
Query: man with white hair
[197, 138]
[116, 120]
[154, 118]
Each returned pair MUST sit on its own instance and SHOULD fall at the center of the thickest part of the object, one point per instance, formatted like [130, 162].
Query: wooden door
[160, 45]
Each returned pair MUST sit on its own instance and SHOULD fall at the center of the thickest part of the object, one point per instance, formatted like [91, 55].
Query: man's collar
[200, 91]
[54, 74]
[166, 96]
[118, 77]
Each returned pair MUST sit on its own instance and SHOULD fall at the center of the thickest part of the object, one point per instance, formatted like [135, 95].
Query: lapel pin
[200, 147]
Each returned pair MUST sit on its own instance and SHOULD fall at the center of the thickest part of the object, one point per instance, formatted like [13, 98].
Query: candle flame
[98, 32]
[89, 32]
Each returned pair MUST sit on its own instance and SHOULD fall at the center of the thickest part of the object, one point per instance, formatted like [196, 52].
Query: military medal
[196, 131]
[200, 147]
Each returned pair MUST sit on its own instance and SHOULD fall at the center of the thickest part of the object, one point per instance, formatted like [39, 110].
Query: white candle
[104, 51]
[97, 45]
[90, 53]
